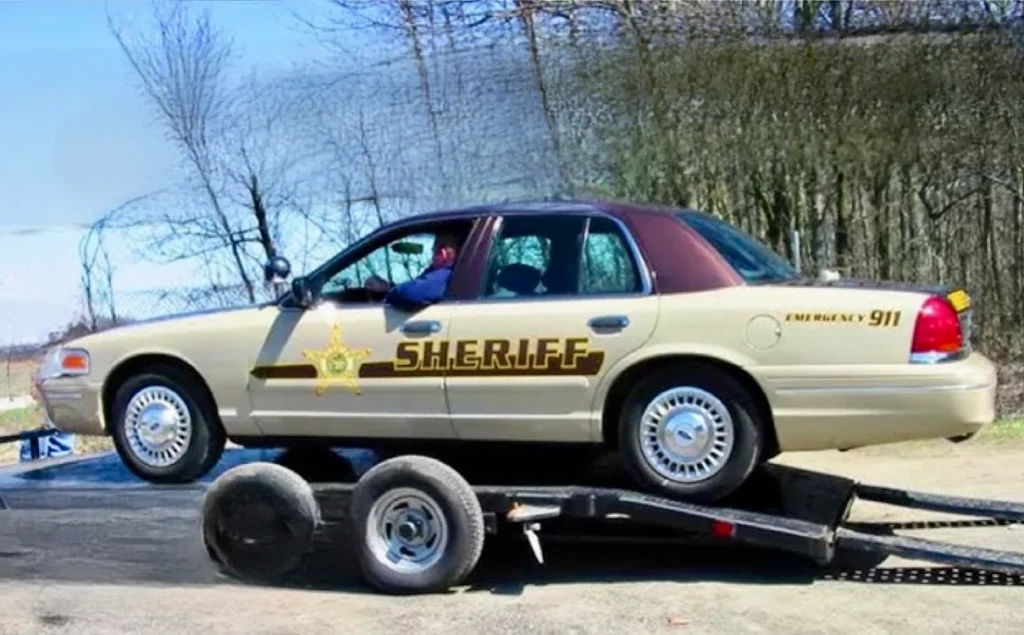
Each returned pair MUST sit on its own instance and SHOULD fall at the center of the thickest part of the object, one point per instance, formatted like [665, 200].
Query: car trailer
[419, 526]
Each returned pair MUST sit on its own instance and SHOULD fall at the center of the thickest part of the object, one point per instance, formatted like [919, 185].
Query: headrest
[519, 278]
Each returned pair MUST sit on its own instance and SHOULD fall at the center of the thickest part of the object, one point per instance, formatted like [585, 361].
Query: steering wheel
[359, 295]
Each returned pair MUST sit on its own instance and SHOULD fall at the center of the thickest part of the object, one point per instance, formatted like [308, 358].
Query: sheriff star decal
[336, 364]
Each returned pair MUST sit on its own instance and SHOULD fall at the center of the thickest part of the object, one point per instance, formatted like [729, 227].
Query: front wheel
[690, 431]
[164, 428]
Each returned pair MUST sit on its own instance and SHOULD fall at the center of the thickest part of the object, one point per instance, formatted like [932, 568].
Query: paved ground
[76, 560]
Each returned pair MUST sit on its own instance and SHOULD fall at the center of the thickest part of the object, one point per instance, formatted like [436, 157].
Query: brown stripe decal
[285, 371]
[586, 367]
[469, 358]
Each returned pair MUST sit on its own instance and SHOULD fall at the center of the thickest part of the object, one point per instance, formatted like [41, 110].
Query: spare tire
[258, 521]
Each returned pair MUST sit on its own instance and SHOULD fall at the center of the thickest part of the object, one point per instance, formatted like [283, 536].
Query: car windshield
[751, 258]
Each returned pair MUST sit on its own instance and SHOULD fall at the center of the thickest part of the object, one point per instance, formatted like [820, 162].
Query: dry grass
[17, 378]
[23, 419]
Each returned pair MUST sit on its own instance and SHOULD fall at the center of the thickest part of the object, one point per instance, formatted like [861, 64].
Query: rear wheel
[690, 431]
[164, 428]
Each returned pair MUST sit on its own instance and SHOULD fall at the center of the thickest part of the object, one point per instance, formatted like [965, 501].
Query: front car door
[326, 371]
[565, 296]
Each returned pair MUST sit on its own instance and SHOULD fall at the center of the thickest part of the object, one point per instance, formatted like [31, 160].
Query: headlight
[64, 362]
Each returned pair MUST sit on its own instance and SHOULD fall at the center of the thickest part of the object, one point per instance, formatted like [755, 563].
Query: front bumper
[915, 402]
[73, 404]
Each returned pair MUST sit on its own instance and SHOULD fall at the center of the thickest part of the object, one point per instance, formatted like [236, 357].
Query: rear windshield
[751, 258]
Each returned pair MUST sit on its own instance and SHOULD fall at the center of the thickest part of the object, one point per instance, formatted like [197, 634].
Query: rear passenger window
[547, 255]
[608, 265]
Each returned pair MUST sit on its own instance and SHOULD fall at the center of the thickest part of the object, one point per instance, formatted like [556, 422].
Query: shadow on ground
[81, 528]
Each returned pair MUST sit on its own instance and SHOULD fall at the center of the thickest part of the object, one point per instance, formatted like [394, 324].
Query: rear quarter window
[754, 261]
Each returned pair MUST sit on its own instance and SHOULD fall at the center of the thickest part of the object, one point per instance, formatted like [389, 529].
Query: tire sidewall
[280, 495]
[458, 555]
[747, 431]
[202, 444]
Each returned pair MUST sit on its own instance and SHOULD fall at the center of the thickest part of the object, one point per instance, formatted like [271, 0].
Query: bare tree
[237, 143]
[183, 72]
[96, 276]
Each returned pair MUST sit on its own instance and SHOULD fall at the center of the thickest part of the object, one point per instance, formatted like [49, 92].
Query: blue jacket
[429, 287]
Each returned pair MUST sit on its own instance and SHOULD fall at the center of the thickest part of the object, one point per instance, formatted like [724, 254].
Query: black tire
[207, 441]
[258, 521]
[748, 432]
[453, 498]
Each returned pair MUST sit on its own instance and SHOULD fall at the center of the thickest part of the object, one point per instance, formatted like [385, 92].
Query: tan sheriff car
[668, 335]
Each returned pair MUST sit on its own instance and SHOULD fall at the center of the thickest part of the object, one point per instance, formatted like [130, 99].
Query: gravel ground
[138, 568]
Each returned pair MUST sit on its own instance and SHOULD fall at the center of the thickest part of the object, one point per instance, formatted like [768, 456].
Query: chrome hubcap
[158, 426]
[686, 434]
[406, 530]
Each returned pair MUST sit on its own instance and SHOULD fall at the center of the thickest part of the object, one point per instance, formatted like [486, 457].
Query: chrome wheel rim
[406, 530]
[158, 426]
[686, 434]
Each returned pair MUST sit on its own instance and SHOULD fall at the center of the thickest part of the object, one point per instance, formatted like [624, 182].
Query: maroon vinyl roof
[679, 259]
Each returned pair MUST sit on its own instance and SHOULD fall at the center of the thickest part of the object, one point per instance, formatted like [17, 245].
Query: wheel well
[135, 365]
[616, 397]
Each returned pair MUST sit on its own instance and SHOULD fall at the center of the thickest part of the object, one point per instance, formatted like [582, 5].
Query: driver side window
[398, 261]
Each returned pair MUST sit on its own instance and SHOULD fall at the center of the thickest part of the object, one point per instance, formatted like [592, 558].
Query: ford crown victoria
[665, 335]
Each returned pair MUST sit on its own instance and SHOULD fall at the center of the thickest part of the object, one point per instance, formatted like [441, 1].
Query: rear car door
[564, 297]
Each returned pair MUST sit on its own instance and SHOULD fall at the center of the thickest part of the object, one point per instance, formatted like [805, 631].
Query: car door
[565, 297]
[327, 371]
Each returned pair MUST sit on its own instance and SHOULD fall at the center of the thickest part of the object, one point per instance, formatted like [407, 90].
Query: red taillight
[937, 329]
[722, 529]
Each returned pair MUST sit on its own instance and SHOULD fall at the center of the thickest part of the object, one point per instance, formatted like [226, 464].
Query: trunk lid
[956, 295]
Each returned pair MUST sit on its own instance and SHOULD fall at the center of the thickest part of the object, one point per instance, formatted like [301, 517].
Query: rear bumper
[73, 405]
[885, 405]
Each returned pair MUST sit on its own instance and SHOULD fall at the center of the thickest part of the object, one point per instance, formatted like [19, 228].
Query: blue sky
[77, 139]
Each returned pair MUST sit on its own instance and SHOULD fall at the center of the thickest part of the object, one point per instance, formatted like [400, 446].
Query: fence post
[7, 372]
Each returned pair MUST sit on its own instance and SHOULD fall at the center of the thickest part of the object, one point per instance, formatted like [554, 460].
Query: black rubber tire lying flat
[447, 495]
[258, 521]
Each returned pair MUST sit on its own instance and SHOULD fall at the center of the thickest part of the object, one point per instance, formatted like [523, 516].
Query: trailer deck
[797, 511]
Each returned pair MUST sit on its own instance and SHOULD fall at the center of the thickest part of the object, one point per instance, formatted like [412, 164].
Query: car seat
[519, 278]
[558, 281]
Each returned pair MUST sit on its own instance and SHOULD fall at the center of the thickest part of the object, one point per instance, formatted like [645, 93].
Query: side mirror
[303, 292]
[277, 269]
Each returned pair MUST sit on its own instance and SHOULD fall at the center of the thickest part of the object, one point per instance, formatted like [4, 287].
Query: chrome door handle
[421, 328]
[615, 322]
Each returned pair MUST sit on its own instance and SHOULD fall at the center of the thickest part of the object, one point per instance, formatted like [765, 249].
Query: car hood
[161, 321]
[191, 314]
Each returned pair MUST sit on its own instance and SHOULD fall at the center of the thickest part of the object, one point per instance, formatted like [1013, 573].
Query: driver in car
[427, 288]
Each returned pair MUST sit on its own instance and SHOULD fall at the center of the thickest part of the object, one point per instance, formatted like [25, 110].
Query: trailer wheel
[258, 521]
[690, 431]
[418, 526]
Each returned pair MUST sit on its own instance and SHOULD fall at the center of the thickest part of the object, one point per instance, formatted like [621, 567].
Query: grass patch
[31, 418]
[1004, 431]
[17, 378]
